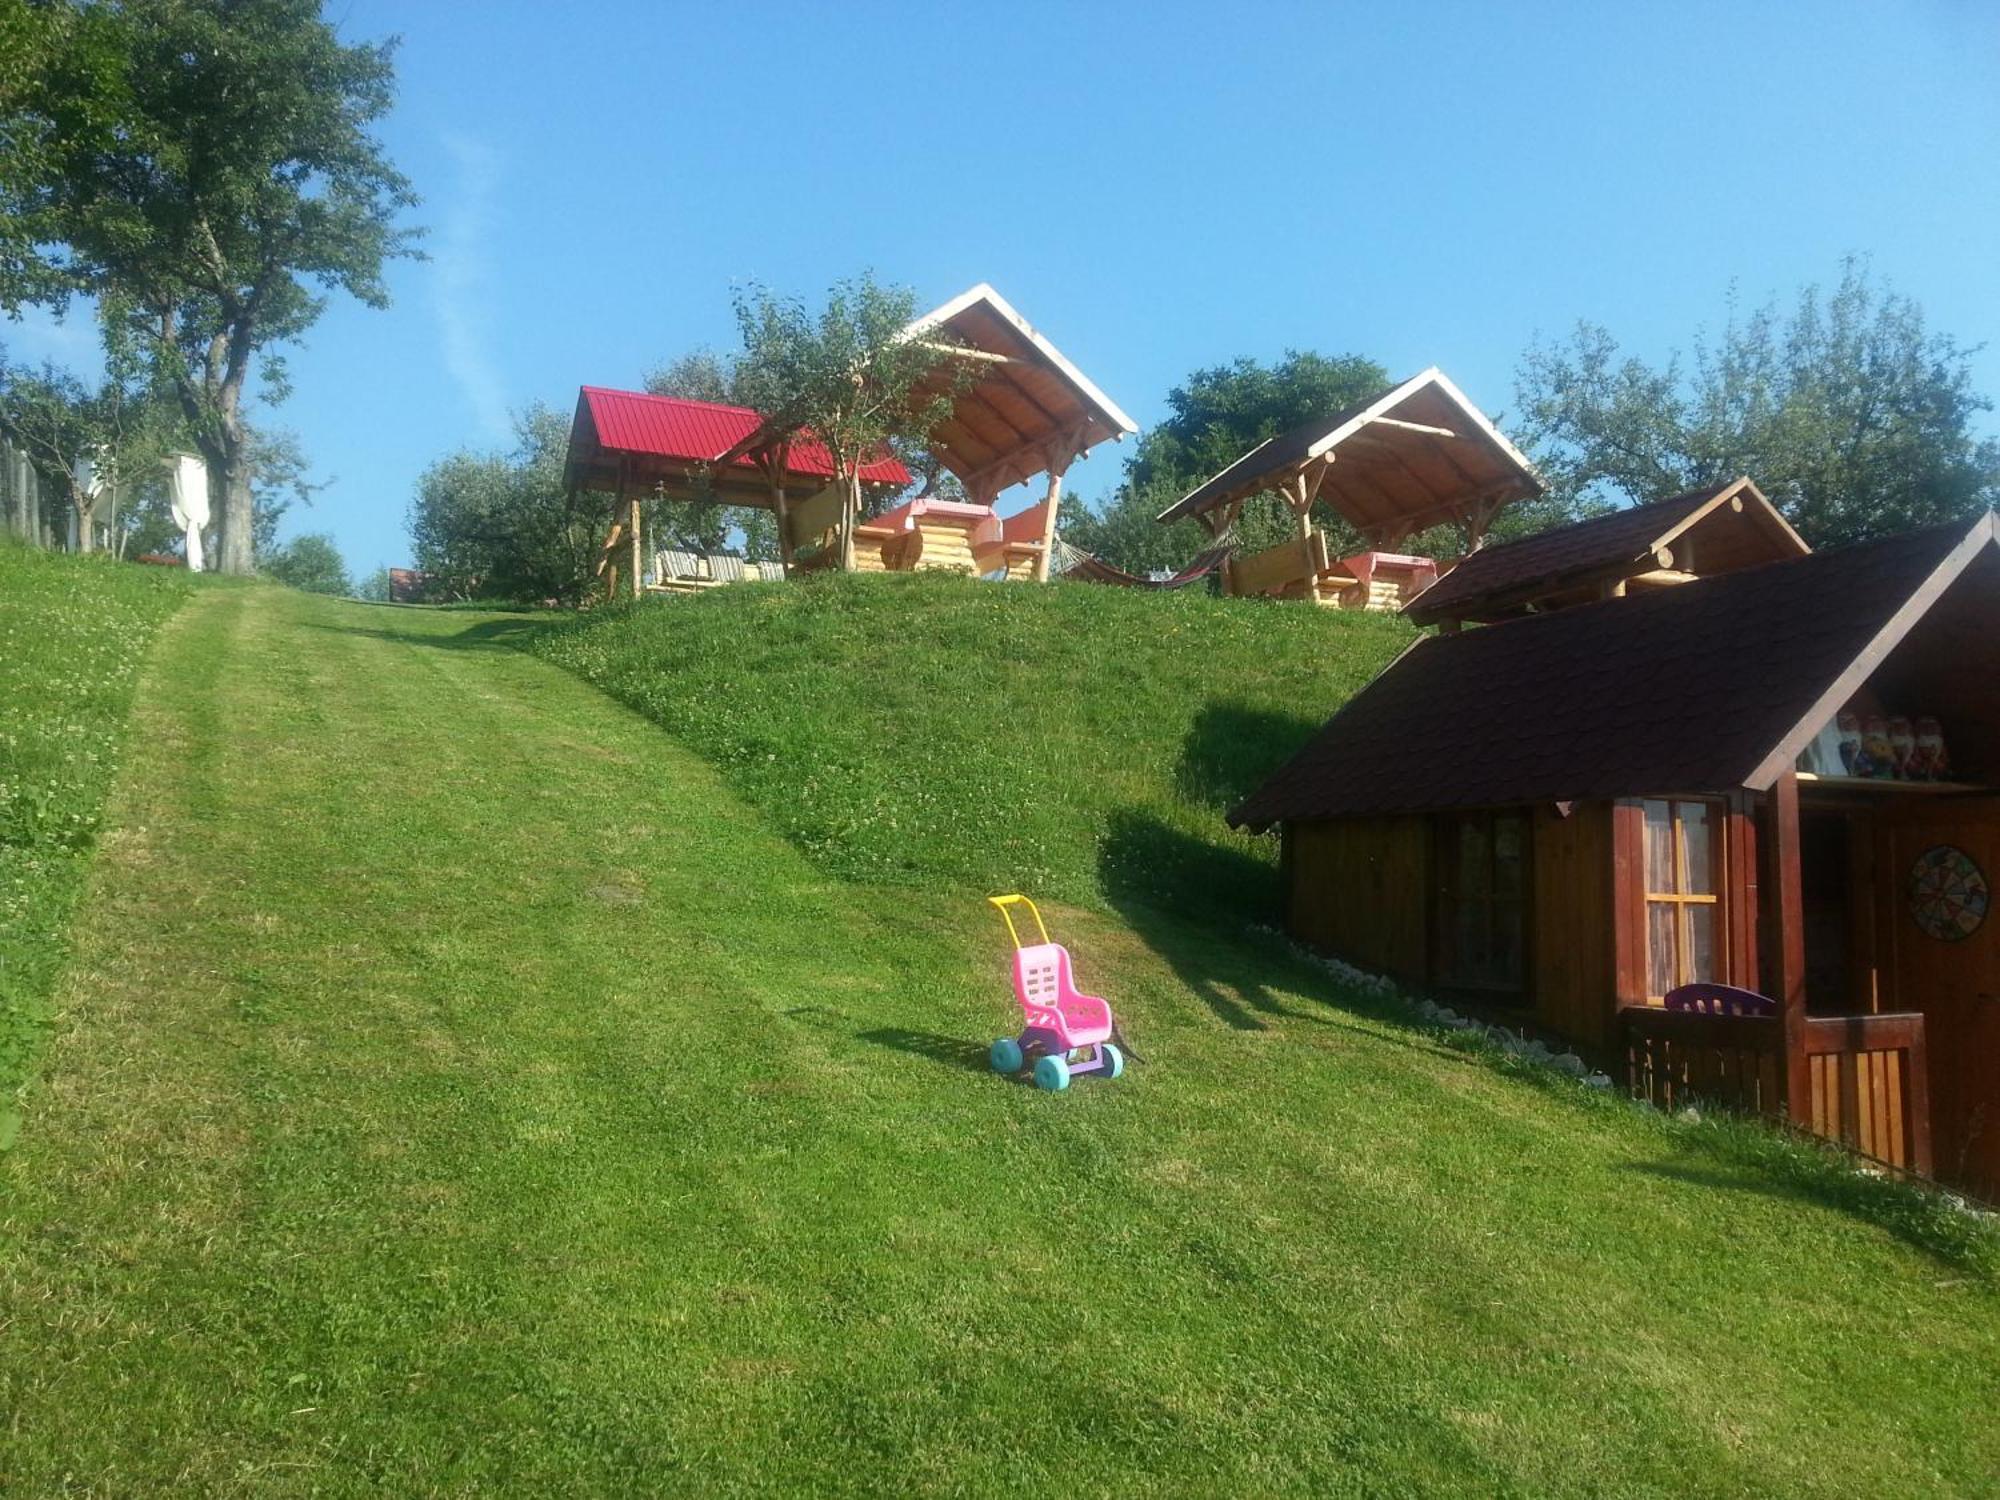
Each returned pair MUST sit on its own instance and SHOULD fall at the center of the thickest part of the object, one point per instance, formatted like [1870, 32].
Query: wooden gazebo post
[1058, 456]
[638, 547]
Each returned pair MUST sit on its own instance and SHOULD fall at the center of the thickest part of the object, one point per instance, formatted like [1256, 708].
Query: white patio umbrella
[190, 485]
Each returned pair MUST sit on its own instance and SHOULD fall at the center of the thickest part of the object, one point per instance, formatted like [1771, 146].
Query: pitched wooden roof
[1714, 685]
[1417, 454]
[1715, 529]
[1029, 407]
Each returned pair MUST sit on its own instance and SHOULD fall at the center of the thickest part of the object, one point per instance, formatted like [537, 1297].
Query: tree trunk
[229, 492]
[850, 517]
[10, 491]
[31, 503]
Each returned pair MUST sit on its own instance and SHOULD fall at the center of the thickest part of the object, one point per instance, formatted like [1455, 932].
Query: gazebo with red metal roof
[630, 444]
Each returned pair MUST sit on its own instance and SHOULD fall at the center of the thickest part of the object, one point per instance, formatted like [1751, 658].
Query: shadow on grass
[487, 635]
[1753, 1157]
[1183, 895]
[953, 1052]
[1231, 747]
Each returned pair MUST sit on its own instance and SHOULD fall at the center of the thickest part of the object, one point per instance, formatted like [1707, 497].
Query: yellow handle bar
[1005, 902]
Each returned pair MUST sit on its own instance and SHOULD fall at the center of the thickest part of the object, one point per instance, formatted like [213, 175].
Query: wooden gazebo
[631, 445]
[1030, 413]
[1418, 455]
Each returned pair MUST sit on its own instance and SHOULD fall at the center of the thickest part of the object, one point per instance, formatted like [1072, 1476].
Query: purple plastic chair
[1720, 1000]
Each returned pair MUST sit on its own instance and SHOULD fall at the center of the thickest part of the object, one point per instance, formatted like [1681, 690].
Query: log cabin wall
[1359, 888]
[943, 544]
[1364, 889]
[1572, 964]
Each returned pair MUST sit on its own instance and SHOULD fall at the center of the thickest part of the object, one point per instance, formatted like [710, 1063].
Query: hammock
[1074, 562]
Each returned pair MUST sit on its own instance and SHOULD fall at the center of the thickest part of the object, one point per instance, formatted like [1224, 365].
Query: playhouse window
[1481, 932]
[1683, 909]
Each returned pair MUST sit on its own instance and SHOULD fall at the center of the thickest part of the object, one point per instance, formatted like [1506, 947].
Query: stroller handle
[1003, 903]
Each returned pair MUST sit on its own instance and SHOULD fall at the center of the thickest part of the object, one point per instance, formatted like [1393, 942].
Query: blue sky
[1157, 187]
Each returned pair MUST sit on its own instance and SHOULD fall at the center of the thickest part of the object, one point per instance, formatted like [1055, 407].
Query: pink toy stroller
[1067, 1032]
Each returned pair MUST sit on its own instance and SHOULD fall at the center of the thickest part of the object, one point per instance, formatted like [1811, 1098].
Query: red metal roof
[697, 431]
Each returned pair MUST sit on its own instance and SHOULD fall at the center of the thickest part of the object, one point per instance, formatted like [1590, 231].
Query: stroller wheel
[1114, 1061]
[1005, 1055]
[1051, 1073]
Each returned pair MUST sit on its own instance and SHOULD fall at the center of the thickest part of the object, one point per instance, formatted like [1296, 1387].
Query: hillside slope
[1076, 742]
[74, 632]
[462, 1091]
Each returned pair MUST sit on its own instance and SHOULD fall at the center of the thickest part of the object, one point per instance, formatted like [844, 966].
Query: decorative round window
[1948, 894]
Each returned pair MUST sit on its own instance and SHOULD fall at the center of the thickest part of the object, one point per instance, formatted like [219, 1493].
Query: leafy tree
[374, 588]
[198, 166]
[847, 374]
[279, 479]
[55, 420]
[1848, 411]
[502, 525]
[311, 562]
[1121, 530]
[1219, 414]
[702, 375]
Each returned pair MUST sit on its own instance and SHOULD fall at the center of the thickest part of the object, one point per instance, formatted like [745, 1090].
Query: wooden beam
[1305, 541]
[961, 351]
[1660, 577]
[1443, 432]
[1220, 519]
[1628, 904]
[1059, 456]
[638, 548]
[1788, 942]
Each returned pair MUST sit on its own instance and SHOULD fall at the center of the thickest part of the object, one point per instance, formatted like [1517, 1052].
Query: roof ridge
[1617, 512]
[730, 406]
[1628, 602]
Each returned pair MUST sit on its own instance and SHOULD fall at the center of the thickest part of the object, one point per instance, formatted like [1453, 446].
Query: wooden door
[1938, 946]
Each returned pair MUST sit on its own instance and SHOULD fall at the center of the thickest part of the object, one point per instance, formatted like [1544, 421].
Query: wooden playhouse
[1646, 775]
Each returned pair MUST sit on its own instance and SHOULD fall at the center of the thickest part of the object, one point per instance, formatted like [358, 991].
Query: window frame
[1681, 898]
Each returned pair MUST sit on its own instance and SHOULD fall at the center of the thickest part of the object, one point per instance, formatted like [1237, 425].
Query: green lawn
[73, 637]
[464, 1085]
[1075, 741]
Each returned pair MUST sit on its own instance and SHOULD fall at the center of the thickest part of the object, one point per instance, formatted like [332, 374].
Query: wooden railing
[1869, 1085]
[1675, 1057]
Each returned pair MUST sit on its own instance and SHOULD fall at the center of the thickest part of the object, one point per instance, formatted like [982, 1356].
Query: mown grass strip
[74, 634]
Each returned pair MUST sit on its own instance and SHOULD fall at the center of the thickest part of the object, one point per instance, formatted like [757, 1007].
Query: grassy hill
[74, 633]
[464, 1086]
[1075, 742]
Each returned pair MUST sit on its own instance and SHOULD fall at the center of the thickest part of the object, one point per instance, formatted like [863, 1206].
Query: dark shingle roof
[1687, 689]
[1603, 541]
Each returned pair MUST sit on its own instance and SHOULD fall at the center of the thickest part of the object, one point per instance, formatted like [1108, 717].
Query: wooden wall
[1574, 984]
[1361, 888]
[1954, 985]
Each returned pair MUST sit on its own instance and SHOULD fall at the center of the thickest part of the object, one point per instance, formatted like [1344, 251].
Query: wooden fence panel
[1868, 1088]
